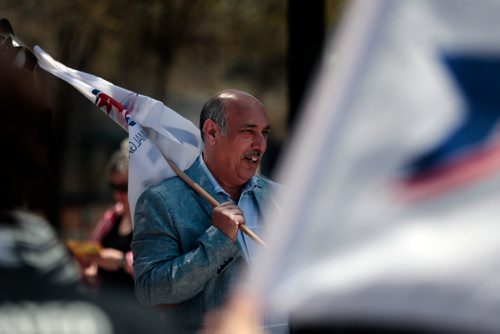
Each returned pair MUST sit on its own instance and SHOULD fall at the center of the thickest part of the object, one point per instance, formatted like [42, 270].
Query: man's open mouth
[252, 157]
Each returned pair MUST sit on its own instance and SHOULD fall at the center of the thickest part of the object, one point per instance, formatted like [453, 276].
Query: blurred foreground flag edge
[390, 217]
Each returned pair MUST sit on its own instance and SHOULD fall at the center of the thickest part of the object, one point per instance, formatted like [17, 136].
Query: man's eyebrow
[249, 125]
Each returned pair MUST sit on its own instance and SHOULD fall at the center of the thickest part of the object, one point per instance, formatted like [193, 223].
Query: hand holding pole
[202, 192]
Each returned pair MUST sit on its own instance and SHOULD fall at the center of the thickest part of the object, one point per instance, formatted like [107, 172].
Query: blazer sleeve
[163, 274]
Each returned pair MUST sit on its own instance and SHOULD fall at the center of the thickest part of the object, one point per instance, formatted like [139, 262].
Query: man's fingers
[229, 209]
[238, 219]
[228, 217]
[226, 204]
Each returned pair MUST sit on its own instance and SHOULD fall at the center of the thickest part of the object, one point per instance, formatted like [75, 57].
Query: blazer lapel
[196, 173]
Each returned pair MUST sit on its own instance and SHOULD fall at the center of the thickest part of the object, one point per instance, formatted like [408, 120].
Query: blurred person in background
[112, 267]
[40, 289]
[29, 246]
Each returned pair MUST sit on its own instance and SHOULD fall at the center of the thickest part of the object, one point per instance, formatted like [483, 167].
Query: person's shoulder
[173, 185]
[167, 190]
[267, 183]
[170, 184]
[265, 180]
[33, 226]
[27, 229]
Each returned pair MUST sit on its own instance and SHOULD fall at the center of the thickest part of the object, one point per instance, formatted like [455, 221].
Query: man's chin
[249, 171]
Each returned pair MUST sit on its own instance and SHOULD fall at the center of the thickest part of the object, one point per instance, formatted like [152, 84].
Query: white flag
[155, 131]
[392, 213]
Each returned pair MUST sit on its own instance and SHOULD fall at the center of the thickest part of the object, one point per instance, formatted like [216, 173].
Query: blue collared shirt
[247, 204]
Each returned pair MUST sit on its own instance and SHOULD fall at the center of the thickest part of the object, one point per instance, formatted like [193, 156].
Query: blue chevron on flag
[472, 149]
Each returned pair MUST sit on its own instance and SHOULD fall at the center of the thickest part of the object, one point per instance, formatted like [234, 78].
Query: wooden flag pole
[202, 192]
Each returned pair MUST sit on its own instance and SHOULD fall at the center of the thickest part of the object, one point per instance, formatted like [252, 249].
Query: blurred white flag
[155, 131]
[393, 175]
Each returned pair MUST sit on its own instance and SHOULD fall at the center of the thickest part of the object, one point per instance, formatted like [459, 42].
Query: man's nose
[260, 142]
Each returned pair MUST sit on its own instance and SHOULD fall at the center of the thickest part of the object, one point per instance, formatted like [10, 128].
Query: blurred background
[181, 52]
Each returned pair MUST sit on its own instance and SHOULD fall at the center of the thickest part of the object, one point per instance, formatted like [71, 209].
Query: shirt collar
[249, 186]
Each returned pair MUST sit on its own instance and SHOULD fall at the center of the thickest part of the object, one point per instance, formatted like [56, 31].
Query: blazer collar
[196, 173]
[260, 194]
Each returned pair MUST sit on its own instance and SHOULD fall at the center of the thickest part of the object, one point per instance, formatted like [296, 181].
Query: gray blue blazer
[179, 257]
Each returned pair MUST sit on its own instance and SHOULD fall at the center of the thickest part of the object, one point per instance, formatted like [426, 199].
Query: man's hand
[227, 217]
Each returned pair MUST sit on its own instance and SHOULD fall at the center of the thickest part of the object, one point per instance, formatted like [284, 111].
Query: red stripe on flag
[463, 170]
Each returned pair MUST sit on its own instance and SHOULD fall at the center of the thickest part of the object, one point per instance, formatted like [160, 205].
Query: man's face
[240, 151]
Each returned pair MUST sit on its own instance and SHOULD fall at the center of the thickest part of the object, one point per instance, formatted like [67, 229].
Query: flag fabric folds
[395, 172]
[154, 130]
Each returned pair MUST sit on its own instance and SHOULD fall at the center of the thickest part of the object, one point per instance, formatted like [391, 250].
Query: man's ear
[210, 130]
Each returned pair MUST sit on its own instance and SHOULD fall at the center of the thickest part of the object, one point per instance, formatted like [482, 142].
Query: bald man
[186, 252]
